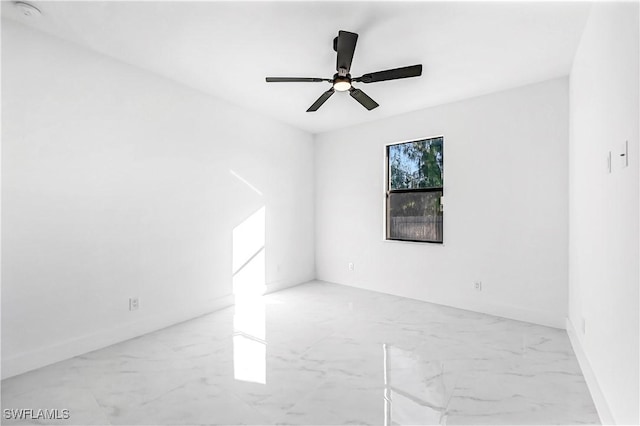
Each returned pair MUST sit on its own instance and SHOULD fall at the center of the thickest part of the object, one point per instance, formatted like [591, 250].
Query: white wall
[603, 212]
[118, 183]
[505, 220]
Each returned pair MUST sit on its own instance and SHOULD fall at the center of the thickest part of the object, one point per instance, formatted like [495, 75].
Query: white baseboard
[279, 285]
[27, 361]
[592, 383]
[517, 313]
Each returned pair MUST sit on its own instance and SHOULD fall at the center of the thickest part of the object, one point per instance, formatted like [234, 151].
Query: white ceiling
[226, 49]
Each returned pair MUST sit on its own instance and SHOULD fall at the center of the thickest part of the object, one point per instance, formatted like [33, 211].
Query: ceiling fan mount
[345, 46]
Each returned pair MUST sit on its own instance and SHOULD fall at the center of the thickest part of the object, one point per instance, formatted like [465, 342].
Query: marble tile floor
[320, 354]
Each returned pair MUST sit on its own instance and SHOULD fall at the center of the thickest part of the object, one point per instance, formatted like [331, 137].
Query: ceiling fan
[345, 45]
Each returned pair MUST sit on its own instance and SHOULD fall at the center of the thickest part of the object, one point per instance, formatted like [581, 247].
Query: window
[415, 190]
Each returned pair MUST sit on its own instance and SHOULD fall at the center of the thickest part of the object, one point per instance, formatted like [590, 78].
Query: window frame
[388, 191]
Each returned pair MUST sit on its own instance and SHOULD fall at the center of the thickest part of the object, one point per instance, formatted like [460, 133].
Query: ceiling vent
[27, 9]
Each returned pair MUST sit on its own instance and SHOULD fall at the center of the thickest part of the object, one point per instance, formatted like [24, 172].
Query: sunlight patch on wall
[249, 284]
[248, 261]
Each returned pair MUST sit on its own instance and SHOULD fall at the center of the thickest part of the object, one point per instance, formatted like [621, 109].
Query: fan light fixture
[341, 84]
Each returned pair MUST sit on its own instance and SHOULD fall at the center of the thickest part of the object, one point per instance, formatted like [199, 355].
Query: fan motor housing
[338, 77]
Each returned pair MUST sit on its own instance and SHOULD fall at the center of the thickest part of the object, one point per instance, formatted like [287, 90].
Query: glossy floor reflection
[321, 354]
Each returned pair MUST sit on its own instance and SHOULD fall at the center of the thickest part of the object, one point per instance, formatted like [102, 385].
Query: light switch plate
[624, 155]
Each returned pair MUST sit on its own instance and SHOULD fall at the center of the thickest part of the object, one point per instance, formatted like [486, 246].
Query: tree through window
[414, 190]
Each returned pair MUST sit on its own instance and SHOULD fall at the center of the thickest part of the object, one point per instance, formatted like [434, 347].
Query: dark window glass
[414, 191]
[415, 216]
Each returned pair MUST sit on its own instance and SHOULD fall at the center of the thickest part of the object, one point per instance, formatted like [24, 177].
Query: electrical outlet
[478, 285]
[351, 267]
[134, 304]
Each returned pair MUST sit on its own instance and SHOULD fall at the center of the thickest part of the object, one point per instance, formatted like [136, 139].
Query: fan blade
[394, 74]
[322, 99]
[295, 80]
[363, 98]
[345, 47]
